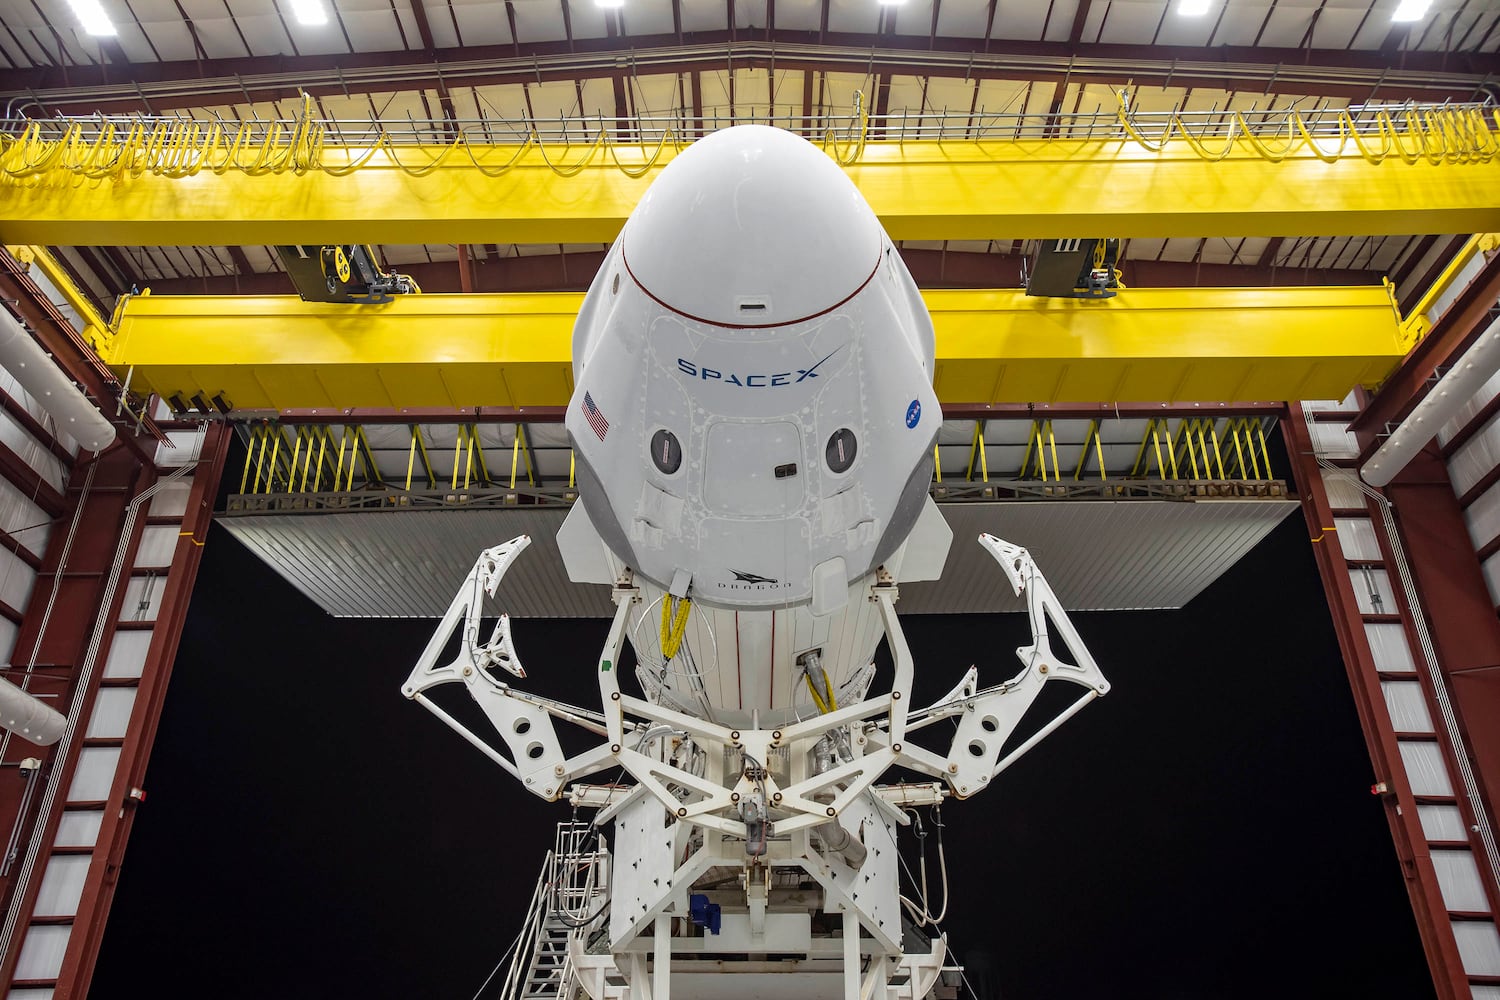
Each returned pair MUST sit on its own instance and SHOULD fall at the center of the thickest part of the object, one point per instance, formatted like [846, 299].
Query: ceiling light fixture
[1193, 8]
[1411, 10]
[891, 3]
[609, 4]
[91, 15]
[309, 12]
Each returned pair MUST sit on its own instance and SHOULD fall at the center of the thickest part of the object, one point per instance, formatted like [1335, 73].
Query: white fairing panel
[754, 378]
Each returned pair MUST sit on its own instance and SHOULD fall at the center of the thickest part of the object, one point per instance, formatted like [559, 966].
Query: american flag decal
[595, 416]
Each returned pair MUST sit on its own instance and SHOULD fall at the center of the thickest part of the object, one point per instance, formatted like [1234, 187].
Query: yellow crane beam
[993, 346]
[922, 190]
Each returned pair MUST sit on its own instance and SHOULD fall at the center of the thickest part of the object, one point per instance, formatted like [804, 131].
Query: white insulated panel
[22, 519]
[1372, 591]
[1471, 409]
[1475, 993]
[32, 452]
[142, 598]
[1334, 441]
[1491, 570]
[1407, 705]
[1343, 490]
[1466, 274]
[94, 775]
[1482, 517]
[16, 580]
[170, 499]
[181, 448]
[1442, 823]
[62, 885]
[1346, 405]
[1097, 556]
[158, 544]
[1475, 457]
[111, 715]
[79, 828]
[1388, 646]
[32, 993]
[1425, 769]
[1357, 537]
[127, 653]
[42, 952]
[1478, 947]
[1458, 880]
[8, 631]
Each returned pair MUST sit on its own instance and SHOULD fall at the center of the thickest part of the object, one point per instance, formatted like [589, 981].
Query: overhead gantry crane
[1360, 172]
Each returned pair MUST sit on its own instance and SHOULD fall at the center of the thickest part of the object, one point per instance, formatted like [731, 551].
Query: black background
[1206, 830]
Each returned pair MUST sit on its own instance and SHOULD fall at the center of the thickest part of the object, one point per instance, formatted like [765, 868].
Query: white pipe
[29, 717]
[40, 376]
[1440, 405]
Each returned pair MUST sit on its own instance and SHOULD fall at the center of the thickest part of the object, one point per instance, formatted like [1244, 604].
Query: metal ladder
[573, 882]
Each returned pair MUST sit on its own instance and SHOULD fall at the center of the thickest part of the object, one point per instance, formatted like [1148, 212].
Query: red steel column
[1400, 804]
[57, 638]
[124, 796]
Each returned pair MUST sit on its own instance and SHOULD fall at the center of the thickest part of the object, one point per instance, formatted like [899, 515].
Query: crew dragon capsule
[754, 417]
[753, 414]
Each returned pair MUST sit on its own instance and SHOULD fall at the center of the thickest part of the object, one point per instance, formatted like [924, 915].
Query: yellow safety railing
[1412, 134]
[1418, 319]
[1039, 440]
[520, 448]
[101, 147]
[1198, 450]
[1092, 438]
[306, 458]
[977, 453]
[1156, 429]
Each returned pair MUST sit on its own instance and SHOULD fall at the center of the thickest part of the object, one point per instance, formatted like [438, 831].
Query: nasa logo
[913, 413]
[754, 381]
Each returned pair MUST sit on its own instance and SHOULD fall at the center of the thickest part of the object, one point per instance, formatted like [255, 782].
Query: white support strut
[707, 798]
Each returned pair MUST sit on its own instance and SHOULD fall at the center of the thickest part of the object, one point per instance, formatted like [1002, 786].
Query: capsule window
[666, 452]
[841, 450]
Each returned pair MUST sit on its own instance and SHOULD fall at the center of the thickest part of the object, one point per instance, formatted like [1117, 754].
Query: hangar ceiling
[1048, 64]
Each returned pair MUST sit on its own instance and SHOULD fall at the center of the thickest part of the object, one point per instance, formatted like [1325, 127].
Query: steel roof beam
[1348, 74]
[922, 190]
[993, 347]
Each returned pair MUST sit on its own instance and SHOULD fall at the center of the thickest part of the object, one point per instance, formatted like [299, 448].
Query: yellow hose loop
[673, 628]
[573, 169]
[851, 153]
[817, 698]
[645, 167]
[824, 707]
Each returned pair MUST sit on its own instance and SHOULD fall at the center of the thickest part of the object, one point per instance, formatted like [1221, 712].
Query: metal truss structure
[792, 816]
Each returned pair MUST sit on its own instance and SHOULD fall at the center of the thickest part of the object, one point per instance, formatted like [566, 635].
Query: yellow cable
[813, 690]
[673, 629]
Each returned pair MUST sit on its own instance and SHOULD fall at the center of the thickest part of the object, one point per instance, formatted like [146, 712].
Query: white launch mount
[746, 862]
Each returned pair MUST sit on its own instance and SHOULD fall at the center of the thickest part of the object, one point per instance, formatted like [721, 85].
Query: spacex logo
[756, 380]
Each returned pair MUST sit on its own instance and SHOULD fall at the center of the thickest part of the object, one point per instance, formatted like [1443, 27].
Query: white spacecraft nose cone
[752, 226]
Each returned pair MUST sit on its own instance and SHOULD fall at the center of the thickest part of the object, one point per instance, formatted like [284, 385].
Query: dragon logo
[743, 577]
